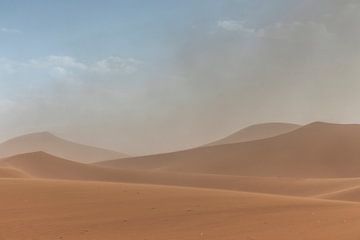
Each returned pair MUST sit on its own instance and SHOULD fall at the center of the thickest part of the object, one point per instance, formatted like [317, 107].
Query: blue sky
[94, 28]
[150, 76]
[91, 29]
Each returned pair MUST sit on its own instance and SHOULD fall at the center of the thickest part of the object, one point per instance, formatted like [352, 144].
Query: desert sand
[33, 209]
[303, 184]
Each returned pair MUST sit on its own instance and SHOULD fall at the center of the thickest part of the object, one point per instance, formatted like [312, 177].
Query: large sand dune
[256, 132]
[43, 165]
[316, 150]
[56, 146]
[74, 211]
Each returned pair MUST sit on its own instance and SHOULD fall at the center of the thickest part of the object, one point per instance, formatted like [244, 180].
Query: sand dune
[12, 173]
[54, 145]
[74, 211]
[43, 165]
[256, 132]
[316, 150]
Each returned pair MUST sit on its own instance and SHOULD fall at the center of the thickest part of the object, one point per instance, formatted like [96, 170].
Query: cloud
[297, 30]
[276, 30]
[57, 61]
[238, 26]
[67, 66]
[117, 64]
[10, 30]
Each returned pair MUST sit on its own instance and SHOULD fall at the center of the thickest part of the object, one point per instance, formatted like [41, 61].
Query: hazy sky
[160, 75]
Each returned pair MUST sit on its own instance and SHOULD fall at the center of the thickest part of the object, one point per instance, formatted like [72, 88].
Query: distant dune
[256, 132]
[316, 150]
[43, 165]
[54, 145]
[81, 211]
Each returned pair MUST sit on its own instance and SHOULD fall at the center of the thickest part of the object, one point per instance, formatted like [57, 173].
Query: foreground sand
[39, 209]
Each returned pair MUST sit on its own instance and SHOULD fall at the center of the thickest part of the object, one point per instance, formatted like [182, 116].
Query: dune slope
[316, 150]
[44, 165]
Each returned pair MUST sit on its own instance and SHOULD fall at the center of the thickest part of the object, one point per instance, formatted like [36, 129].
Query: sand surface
[33, 209]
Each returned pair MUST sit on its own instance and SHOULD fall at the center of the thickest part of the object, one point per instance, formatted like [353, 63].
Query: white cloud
[10, 30]
[58, 66]
[238, 26]
[278, 30]
[297, 30]
[117, 64]
[66, 66]
[58, 61]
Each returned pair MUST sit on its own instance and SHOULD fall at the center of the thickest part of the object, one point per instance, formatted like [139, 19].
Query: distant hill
[256, 132]
[54, 145]
[315, 150]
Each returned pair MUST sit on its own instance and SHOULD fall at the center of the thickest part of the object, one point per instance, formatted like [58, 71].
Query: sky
[143, 77]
